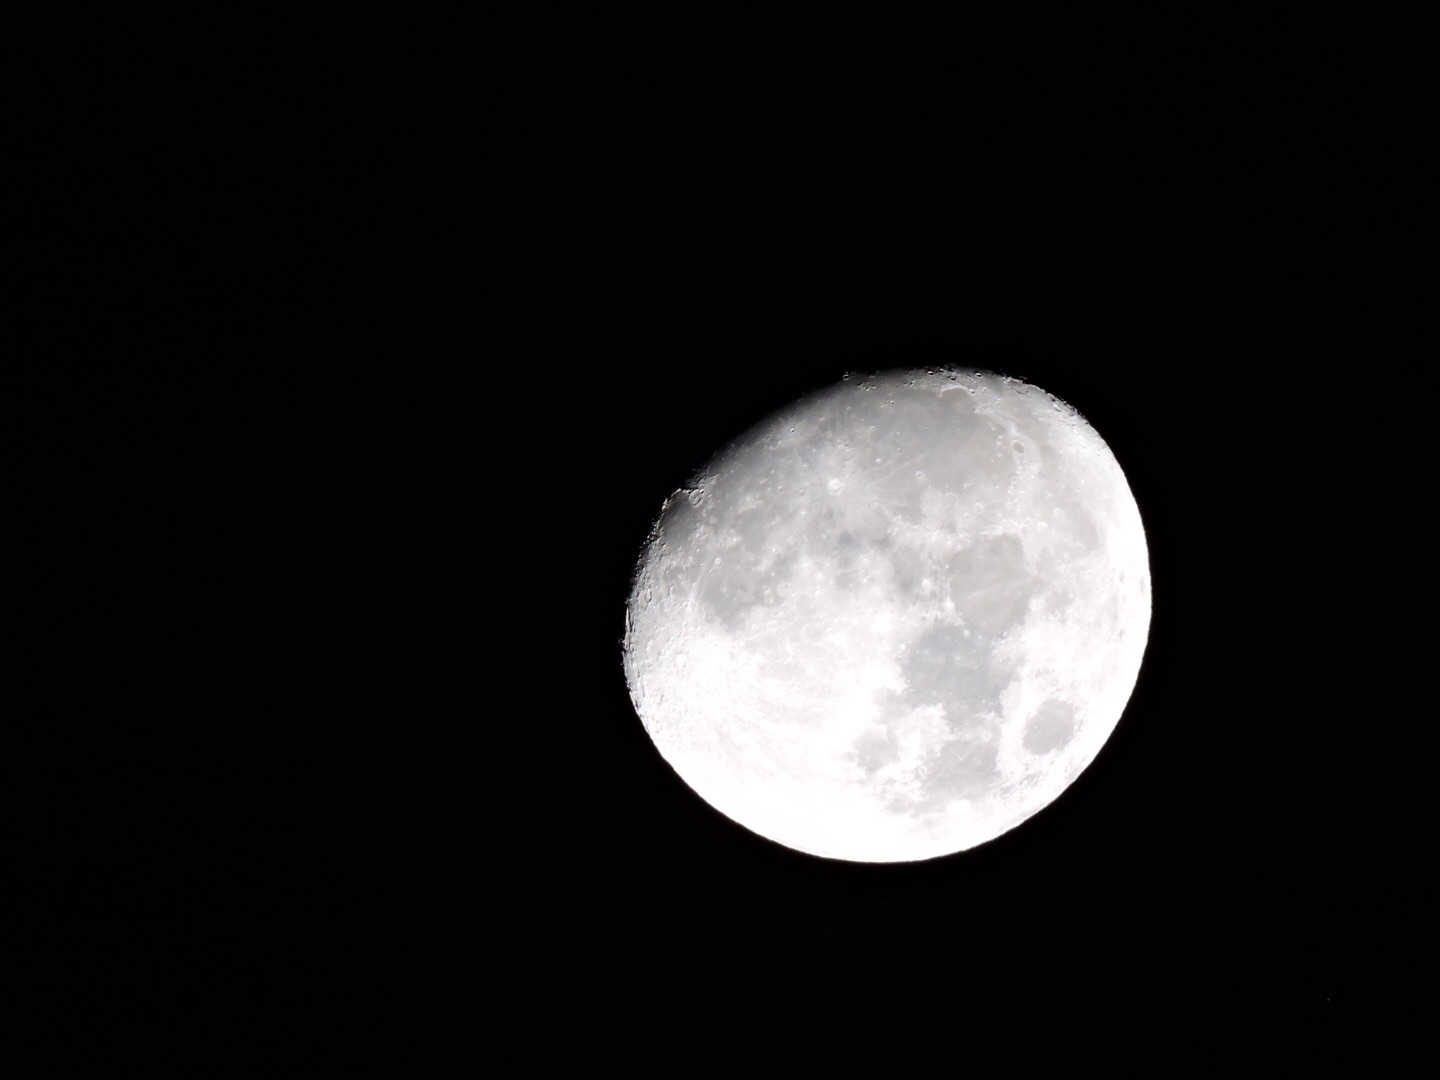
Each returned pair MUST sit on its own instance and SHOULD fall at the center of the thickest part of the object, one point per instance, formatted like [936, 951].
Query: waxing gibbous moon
[895, 619]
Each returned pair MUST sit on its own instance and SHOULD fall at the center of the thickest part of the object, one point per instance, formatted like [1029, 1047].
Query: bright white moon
[894, 620]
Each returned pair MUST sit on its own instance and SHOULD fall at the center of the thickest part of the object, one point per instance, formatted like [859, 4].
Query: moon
[894, 620]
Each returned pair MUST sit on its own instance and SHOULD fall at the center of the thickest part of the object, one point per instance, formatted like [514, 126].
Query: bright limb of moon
[894, 620]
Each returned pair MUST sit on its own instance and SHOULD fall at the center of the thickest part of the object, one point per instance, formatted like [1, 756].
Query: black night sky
[358, 364]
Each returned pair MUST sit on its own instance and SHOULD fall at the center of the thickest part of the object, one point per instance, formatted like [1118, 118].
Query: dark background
[355, 362]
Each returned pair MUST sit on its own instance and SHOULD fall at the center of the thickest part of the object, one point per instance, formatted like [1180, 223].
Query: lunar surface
[894, 620]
